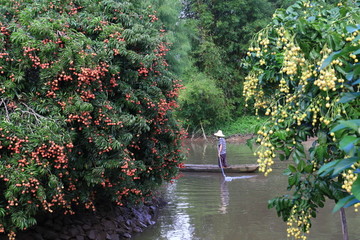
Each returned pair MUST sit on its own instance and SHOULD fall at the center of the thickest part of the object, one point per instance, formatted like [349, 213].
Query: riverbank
[238, 138]
[106, 223]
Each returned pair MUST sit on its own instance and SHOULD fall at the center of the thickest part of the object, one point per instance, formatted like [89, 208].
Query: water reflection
[224, 196]
[204, 207]
[206, 153]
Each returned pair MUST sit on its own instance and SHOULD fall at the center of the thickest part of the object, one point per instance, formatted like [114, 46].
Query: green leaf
[347, 97]
[336, 40]
[292, 168]
[2, 212]
[301, 165]
[353, 124]
[287, 152]
[327, 168]
[324, 187]
[355, 190]
[349, 76]
[320, 152]
[250, 143]
[347, 143]
[344, 164]
[281, 134]
[293, 179]
[344, 201]
[308, 168]
[352, 28]
[357, 52]
[329, 59]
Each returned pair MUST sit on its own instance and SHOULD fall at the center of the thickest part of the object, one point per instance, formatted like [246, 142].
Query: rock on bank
[107, 223]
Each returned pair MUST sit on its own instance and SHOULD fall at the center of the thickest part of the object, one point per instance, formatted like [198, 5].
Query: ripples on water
[205, 207]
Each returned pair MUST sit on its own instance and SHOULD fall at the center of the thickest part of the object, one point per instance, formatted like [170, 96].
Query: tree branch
[31, 112]
[6, 109]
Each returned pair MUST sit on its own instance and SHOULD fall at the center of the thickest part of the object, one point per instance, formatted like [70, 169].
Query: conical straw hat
[219, 134]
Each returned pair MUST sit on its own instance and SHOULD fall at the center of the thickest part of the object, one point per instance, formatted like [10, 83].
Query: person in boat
[221, 148]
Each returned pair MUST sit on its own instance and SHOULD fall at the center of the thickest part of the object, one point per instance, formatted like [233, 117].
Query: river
[205, 207]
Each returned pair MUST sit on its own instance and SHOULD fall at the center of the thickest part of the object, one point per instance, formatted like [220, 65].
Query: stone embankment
[107, 223]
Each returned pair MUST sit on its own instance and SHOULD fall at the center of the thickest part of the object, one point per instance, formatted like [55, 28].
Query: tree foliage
[220, 34]
[202, 104]
[304, 72]
[86, 104]
[177, 34]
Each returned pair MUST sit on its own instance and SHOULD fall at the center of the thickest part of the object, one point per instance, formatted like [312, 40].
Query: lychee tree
[304, 73]
[86, 104]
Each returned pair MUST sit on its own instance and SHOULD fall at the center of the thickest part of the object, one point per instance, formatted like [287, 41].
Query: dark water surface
[205, 207]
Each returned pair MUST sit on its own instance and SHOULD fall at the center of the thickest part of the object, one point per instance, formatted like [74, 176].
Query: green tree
[86, 105]
[202, 104]
[304, 73]
[177, 32]
[223, 31]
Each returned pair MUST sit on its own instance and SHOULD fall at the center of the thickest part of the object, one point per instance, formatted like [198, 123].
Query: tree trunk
[202, 129]
[344, 224]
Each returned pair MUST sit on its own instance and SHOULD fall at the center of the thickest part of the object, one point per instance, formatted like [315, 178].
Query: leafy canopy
[303, 71]
[86, 103]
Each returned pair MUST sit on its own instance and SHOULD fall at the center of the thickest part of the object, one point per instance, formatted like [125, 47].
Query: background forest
[209, 39]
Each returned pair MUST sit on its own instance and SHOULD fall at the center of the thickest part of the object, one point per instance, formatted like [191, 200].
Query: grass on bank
[244, 125]
[241, 126]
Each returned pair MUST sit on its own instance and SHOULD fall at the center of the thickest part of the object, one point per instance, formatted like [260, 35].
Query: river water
[205, 207]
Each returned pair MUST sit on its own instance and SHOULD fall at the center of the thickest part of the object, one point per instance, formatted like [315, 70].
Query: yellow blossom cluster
[257, 51]
[327, 79]
[261, 102]
[252, 89]
[299, 117]
[282, 39]
[296, 224]
[292, 98]
[315, 110]
[260, 49]
[353, 56]
[293, 58]
[307, 4]
[251, 84]
[351, 37]
[283, 86]
[356, 206]
[264, 43]
[266, 151]
[350, 177]
[306, 74]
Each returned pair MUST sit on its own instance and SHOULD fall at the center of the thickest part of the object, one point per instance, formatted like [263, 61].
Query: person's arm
[220, 149]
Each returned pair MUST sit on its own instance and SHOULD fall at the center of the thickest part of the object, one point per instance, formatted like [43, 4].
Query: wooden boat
[240, 168]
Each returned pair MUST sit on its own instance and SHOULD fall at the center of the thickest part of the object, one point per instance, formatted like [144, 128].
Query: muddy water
[205, 207]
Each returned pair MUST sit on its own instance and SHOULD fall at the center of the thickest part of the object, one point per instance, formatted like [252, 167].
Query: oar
[223, 173]
[228, 179]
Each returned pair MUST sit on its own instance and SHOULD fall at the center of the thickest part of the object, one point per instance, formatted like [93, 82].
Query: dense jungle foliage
[220, 35]
[86, 103]
[304, 73]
